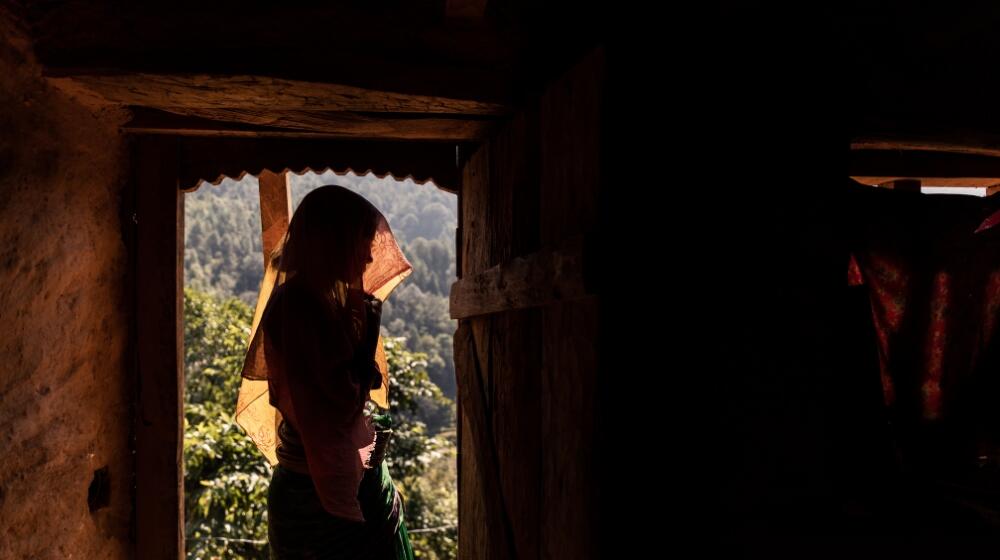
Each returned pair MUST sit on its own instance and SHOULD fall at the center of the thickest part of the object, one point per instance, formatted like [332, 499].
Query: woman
[317, 347]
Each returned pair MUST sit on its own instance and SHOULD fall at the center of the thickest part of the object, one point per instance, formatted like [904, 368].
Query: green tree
[225, 478]
[423, 466]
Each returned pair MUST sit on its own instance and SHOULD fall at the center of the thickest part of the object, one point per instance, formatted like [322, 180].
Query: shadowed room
[733, 274]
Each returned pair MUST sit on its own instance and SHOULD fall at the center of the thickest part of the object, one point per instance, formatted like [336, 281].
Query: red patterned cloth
[931, 264]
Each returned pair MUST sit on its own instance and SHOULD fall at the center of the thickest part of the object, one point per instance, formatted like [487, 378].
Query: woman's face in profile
[362, 259]
[366, 254]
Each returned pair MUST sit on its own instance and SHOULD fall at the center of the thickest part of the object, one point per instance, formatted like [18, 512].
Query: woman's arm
[328, 403]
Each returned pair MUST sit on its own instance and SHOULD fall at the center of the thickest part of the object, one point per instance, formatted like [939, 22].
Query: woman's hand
[373, 322]
[364, 365]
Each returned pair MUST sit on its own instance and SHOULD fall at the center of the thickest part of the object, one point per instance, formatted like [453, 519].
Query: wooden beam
[255, 93]
[411, 48]
[980, 182]
[970, 144]
[252, 123]
[275, 210]
[929, 166]
[159, 456]
[534, 280]
[455, 49]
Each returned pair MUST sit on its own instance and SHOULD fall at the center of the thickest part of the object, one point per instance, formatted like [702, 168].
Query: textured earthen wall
[64, 410]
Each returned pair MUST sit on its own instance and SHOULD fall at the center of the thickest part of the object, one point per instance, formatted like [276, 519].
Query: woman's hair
[326, 237]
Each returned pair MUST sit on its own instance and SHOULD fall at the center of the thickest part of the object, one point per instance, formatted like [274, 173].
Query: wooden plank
[275, 210]
[472, 510]
[979, 182]
[508, 282]
[502, 171]
[571, 150]
[473, 513]
[459, 237]
[516, 411]
[509, 356]
[965, 143]
[499, 209]
[928, 166]
[220, 131]
[259, 93]
[159, 438]
[515, 337]
[254, 123]
[515, 173]
[534, 280]
[415, 49]
[476, 211]
[568, 430]
[461, 463]
[571, 174]
[478, 522]
[497, 540]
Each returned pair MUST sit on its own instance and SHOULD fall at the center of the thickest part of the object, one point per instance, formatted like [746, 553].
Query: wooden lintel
[411, 48]
[159, 434]
[254, 92]
[249, 123]
[978, 182]
[930, 167]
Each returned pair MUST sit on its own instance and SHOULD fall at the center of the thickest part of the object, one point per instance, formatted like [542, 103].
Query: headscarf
[308, 322]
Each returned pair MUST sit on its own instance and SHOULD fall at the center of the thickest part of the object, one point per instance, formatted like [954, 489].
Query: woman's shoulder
[293, 302]
[297, 298]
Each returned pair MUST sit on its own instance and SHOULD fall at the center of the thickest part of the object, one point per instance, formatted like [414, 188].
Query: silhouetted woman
[317, 346]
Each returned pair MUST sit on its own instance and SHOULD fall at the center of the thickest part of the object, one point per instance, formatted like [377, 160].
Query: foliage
[423, 466]
[225, 478]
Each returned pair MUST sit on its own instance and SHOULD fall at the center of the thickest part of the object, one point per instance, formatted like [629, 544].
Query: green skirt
[299, 527]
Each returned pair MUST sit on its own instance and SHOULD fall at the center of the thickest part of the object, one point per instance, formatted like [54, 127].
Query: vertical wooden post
[159, 461]
[275, 209]
[459, 456]
[275, 212]
[570, 207]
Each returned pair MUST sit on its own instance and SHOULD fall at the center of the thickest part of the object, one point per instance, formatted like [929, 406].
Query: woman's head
[330, 238]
